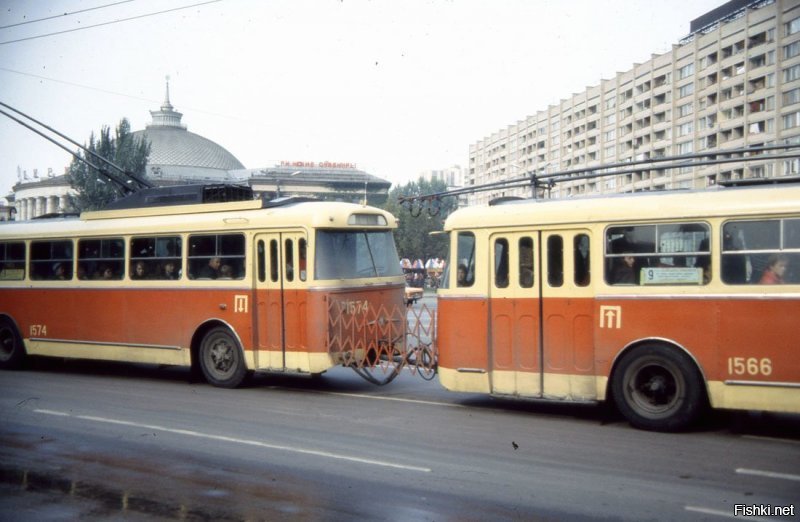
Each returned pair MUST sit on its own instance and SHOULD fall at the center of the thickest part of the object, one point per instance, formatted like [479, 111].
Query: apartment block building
[733, 82]
[451, 176]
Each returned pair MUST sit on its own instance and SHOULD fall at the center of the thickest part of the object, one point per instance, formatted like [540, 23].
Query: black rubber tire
[222, 359]
[658, 388]
[12, 349]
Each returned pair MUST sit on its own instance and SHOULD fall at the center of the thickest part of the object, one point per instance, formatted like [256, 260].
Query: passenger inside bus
[211, 270]
[226, 272]
[139, 271]
[776, 270]
[60, 271]
[169, 271]
[462, 278]
[625, 273]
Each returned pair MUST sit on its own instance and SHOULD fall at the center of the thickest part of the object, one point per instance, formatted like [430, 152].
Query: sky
[396, 87]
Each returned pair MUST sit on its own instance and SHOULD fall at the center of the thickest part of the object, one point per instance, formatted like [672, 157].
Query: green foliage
[413, 234]
[94, 190]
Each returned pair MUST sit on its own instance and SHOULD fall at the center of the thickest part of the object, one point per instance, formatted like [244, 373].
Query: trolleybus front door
[280, 303]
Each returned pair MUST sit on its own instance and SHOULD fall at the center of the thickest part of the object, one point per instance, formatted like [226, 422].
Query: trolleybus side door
[514, 314]
[280, 305]
[269, 301]
[567, 315]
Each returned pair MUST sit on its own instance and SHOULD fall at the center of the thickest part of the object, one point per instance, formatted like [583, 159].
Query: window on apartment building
[686, 147]
[708, 142]
[685, 109]
[791, 120]
[760, 127]
[792, 73]
[685, 129]
[610, 135]
[710, 59]
[757, 39]
[758, 61]
[686, 71]
[792, 26]
[791, 50]
[686, 90]
[790, 97]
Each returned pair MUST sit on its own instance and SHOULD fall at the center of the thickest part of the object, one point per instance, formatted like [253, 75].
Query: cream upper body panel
[242, 215]
[679, 205]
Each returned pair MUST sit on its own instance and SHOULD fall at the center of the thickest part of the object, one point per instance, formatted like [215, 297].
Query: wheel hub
[221, 356]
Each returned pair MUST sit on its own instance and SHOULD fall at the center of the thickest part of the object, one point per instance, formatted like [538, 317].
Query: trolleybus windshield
[348, 254]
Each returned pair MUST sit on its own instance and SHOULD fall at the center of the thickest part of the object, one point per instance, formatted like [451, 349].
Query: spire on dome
[167, 116]
[166, 106]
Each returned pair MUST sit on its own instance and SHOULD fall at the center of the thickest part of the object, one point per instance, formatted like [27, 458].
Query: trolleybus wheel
[658, 388]
[221, 359]
[12, 351]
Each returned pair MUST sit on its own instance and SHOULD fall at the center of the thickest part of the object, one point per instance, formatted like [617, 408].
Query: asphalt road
[97, 440]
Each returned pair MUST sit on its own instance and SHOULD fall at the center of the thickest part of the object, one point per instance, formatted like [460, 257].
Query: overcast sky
[396, 87]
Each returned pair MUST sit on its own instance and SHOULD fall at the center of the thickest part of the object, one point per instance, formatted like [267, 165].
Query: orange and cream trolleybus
[665, 303]
[227, 288]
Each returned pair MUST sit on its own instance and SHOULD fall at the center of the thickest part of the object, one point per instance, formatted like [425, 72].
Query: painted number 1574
[749, 366]
[38, 330]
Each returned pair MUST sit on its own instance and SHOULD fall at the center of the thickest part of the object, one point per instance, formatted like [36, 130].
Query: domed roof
[179, 147]
[177, 154]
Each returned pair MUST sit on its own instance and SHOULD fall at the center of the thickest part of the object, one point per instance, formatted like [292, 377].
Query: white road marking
[771, 439]
[769, 474]
[249, 442]
[397, 399]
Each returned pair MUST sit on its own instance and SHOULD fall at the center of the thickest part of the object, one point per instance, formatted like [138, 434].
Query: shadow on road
[344, 380]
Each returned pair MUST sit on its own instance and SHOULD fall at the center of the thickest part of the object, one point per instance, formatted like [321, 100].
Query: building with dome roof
[180, 157]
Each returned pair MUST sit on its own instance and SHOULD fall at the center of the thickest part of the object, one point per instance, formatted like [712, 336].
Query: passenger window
[217, 256]
[465, 258]
[274, 260]
[555, 261]
[664, 254]
[761, 252]
[581, 255]
[262, 263]
[101, 259]
[301, 258]
[156, 258]
[501, 263]
[12, 261]
[289, 260]
[526, 262]
[51, 260]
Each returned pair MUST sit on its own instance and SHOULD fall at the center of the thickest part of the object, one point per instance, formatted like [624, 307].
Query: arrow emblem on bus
[240, 304]
[610, 317]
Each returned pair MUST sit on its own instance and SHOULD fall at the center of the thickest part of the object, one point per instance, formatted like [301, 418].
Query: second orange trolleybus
[662, 302]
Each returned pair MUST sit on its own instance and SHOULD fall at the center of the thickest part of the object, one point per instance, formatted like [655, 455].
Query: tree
[413, 236]
[94, 190]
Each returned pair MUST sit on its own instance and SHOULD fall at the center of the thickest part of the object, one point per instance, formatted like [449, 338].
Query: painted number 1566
[749, 366]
